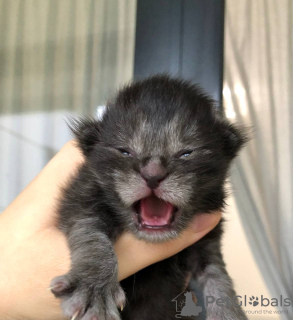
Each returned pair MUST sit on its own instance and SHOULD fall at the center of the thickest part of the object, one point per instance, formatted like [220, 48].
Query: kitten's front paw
[88, 301]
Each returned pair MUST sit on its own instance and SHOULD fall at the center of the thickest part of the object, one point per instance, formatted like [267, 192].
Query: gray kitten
[159, 156]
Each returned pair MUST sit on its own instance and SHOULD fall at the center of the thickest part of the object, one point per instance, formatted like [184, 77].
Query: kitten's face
[162, 159]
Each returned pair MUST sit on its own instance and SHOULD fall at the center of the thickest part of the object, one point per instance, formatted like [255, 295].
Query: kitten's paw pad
[61, 286]
[91, 317]
[94, 313]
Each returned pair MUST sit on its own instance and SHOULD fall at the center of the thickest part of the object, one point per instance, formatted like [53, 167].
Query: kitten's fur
[160, 136]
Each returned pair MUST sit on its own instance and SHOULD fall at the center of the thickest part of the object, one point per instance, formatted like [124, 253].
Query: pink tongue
[155, 212]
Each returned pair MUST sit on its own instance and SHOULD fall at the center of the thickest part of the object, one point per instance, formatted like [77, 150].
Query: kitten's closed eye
[125, 152]
[183, 154]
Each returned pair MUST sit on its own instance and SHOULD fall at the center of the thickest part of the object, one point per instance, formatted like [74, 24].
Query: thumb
[134, 255]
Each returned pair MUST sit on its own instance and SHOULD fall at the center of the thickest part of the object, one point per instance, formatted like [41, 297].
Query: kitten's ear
[86, 132]
[234, 139]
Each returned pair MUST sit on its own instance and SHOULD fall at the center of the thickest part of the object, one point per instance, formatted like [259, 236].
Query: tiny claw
[50, 288]
[121, 307]
[75, 315]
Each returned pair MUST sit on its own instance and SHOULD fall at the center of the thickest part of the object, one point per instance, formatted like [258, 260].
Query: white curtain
[258, 92]
[56, 56]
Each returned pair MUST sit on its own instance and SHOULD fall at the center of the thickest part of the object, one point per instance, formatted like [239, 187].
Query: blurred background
[60, 58]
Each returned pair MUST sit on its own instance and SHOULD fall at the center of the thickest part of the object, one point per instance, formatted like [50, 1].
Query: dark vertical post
[182, 37]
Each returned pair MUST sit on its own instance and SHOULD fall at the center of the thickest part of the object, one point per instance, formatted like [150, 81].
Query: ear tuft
[86, 132]
[235, 138]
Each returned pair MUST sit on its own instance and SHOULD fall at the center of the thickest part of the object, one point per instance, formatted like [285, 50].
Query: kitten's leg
[90, 290]
[214, 280]
[151, 292]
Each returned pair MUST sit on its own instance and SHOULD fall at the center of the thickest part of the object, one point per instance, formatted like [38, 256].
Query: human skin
[33, 251]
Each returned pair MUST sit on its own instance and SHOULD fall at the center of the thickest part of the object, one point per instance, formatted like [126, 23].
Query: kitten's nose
[153, 173]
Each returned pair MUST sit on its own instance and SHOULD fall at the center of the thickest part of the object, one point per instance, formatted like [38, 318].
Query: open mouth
[153, 213]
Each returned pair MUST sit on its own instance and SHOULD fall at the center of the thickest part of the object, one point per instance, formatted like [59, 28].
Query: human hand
[34, 251]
